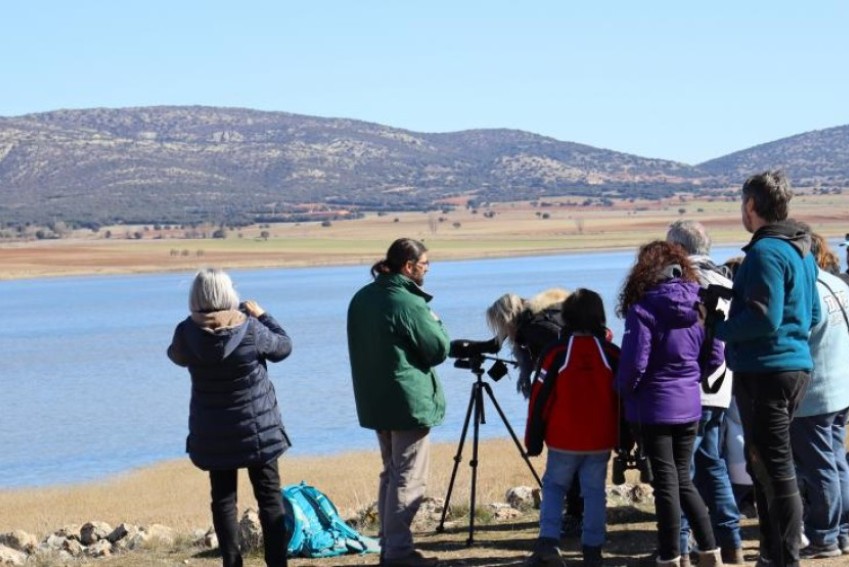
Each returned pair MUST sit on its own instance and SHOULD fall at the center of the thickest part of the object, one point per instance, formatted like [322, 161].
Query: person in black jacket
[234, 420]
[529, 325]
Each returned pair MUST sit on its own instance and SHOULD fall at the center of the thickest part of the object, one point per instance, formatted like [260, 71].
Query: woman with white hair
[234, 420]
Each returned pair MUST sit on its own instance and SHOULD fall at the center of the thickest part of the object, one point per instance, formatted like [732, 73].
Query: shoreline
[236, 265]
[57, 271]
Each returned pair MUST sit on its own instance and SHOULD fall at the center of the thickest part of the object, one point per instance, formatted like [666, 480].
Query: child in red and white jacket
[573, 409]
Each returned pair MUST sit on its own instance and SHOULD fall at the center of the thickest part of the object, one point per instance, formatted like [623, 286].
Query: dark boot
[732, 556]
[744, 494]
[546, 554]
[592, 555]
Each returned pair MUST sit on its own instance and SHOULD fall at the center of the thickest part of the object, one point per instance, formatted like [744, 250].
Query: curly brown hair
[652, 259]
[826, 259]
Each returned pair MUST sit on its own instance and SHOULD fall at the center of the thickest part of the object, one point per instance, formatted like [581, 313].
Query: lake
[88, 391]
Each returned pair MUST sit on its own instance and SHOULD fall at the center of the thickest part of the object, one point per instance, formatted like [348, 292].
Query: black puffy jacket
[234, 420]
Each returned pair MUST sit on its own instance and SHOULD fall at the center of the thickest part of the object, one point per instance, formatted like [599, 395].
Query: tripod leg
[457, 458]
[512, 433]
[479, 418]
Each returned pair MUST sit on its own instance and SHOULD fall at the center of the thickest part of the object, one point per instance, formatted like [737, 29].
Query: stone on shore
[9, 556]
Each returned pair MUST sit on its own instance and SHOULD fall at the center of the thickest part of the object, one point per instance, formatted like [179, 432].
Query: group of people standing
[780, 346]
[777, 352]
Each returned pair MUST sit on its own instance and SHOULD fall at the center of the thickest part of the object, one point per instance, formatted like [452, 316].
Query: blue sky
[679, 80]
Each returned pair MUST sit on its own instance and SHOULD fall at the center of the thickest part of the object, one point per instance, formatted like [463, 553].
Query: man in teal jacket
[394, 342]
[774, 306]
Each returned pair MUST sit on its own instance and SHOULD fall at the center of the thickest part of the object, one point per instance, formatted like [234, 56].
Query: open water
[87, 390]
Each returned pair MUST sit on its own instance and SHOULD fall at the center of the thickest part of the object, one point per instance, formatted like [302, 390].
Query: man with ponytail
[394, 342]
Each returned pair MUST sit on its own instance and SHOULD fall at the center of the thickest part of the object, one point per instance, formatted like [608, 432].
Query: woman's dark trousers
[265, 480]
[767, 402]
[670, 450]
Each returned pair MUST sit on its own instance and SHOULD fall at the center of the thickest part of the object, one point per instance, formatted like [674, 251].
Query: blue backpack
[315, 528]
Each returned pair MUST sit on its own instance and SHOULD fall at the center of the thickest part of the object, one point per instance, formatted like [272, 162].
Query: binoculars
[625, 460]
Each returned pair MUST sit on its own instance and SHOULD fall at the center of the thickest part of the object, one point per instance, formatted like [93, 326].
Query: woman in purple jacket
[659, 380]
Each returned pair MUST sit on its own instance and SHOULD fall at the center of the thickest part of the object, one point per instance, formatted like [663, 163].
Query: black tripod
[476, 406]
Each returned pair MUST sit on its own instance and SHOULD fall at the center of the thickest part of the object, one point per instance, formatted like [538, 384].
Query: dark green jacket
[394, 341]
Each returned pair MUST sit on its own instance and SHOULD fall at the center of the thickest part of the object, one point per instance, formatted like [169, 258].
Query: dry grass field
[518, 228]
[176, 494]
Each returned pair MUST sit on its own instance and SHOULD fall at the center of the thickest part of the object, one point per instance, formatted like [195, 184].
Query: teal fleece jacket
[394, 343]
[775, 303]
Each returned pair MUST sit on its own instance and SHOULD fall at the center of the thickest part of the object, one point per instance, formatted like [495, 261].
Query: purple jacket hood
[672, 303]
[659, 374]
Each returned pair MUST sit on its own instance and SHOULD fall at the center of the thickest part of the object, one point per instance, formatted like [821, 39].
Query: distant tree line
[207, 222]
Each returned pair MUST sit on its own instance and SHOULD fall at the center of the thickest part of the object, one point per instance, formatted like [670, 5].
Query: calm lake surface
[88, 391]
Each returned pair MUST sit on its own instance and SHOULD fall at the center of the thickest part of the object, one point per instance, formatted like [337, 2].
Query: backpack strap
[536, 422]
[297, 522]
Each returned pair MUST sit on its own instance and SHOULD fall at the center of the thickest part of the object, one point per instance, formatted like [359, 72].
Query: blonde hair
[211, 291]
[503, 315]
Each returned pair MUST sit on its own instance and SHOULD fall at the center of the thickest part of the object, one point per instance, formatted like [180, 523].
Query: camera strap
[706, 265]
[704, 356]
[837, 300]
[717, 384]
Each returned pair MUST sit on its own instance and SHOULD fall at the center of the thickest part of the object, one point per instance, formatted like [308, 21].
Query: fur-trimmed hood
[537, 327]
[546, 300]
[215, 335]
[541, 321]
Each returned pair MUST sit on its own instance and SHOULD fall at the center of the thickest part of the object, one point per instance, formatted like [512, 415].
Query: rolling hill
[205, 164]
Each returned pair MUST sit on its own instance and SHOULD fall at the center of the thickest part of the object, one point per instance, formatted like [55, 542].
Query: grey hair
[212, 290]
[691, 235]
[503, 316]
[771, 193]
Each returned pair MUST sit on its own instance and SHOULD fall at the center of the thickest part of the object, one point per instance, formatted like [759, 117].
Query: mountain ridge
[183, 164]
